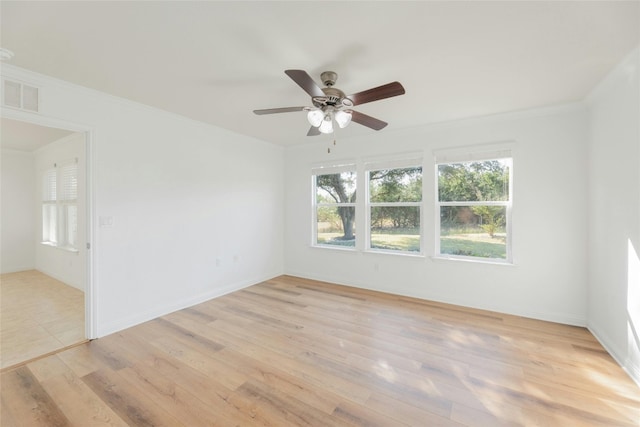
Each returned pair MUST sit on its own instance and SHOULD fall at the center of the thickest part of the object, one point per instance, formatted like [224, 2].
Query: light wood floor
[38, 315]
[297, 352]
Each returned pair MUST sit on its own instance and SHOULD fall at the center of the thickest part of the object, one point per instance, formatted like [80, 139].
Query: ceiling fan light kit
[330, 103]
[343, 118]
[315, 117]
[327, 125]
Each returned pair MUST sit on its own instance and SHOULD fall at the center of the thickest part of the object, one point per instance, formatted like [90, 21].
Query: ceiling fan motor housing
[329, 78]
[334, 97]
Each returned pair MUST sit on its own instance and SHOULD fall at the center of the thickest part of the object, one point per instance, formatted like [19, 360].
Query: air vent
[21, 96]
[12, 94]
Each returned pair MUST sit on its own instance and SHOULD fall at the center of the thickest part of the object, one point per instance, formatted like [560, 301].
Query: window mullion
[475, 229]
[487, 203]
[399, 204]
[365, 208]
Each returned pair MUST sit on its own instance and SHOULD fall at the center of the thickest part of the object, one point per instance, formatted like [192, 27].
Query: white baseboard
[61, 279]
[625, 363]
[545, 316]
[16, 269]
[120, 324]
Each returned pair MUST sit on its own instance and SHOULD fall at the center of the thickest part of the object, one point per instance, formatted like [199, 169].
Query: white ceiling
[217, 61]
[23, 136]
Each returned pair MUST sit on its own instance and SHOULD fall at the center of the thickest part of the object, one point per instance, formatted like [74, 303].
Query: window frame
[56, 233]
[331, 170]
[49, 207]
[505, 155]
[402, 163]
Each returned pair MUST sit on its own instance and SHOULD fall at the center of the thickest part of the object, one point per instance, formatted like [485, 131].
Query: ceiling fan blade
[380, 92]
[313, 131]
[304, 80]
[368, 121]
[278, 110]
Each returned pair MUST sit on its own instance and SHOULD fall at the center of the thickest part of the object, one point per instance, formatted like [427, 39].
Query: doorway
[45, 262]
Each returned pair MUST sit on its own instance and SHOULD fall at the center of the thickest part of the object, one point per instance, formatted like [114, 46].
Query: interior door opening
[45, 264]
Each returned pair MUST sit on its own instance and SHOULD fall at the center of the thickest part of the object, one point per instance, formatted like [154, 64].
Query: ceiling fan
[330, 103]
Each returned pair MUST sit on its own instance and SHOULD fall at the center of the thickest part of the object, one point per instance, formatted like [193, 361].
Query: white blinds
[49, 192]
[69, 182]
[60, 183]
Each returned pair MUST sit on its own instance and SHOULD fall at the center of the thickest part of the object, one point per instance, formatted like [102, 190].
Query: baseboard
[548, 317]
[60, 279]
[121, 324]
[14, 269]
[625, 363]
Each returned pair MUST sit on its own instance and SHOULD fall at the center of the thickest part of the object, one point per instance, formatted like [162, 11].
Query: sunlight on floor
[612, 383]
[383, 370]
[429, 387]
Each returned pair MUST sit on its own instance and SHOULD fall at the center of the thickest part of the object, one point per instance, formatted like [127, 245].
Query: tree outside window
[336, 209]
[474, 209]
[395, 198]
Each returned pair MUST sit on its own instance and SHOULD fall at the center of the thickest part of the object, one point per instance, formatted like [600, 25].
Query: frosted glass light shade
[343, 118]
[327, 125]
[315, 117]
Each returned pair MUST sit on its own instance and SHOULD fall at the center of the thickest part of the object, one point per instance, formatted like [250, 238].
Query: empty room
[320, 213]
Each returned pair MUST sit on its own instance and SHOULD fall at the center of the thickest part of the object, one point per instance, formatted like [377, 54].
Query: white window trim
[477, 153]
[328, 170]
[392, 163]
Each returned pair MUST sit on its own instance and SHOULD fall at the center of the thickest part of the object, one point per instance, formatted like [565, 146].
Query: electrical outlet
[105, 221]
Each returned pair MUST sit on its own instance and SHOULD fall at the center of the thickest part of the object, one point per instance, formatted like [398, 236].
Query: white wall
[17, 234]
[189, 211]
[64, 265]
[548, 280]
[614, 207]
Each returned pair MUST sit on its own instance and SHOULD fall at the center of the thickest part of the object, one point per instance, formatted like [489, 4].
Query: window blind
[69, 182]
[49, 188]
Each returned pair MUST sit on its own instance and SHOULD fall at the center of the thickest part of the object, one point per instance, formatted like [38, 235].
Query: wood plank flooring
[296, 352]
[38, 315]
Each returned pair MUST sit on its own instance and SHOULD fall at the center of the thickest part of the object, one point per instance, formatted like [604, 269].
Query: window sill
[335, 248]
[62, 248]
[417, 255]
[443, 258]
[413, 255]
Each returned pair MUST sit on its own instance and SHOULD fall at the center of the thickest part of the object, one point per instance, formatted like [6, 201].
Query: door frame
[90, 300]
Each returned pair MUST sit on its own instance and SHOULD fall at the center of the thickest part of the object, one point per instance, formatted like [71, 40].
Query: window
[60, 206]
[394, 208]
[49, 208]
[473, 203]
[335, 208]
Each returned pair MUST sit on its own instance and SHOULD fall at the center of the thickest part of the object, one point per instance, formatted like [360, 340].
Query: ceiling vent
[20, 95]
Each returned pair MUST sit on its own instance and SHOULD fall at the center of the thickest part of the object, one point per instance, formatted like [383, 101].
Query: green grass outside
[407, 240]
[457, 245]
[473, 244]
[396, 239]
[334, 240]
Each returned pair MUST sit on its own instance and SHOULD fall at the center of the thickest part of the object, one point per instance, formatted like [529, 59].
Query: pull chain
[329, 148]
